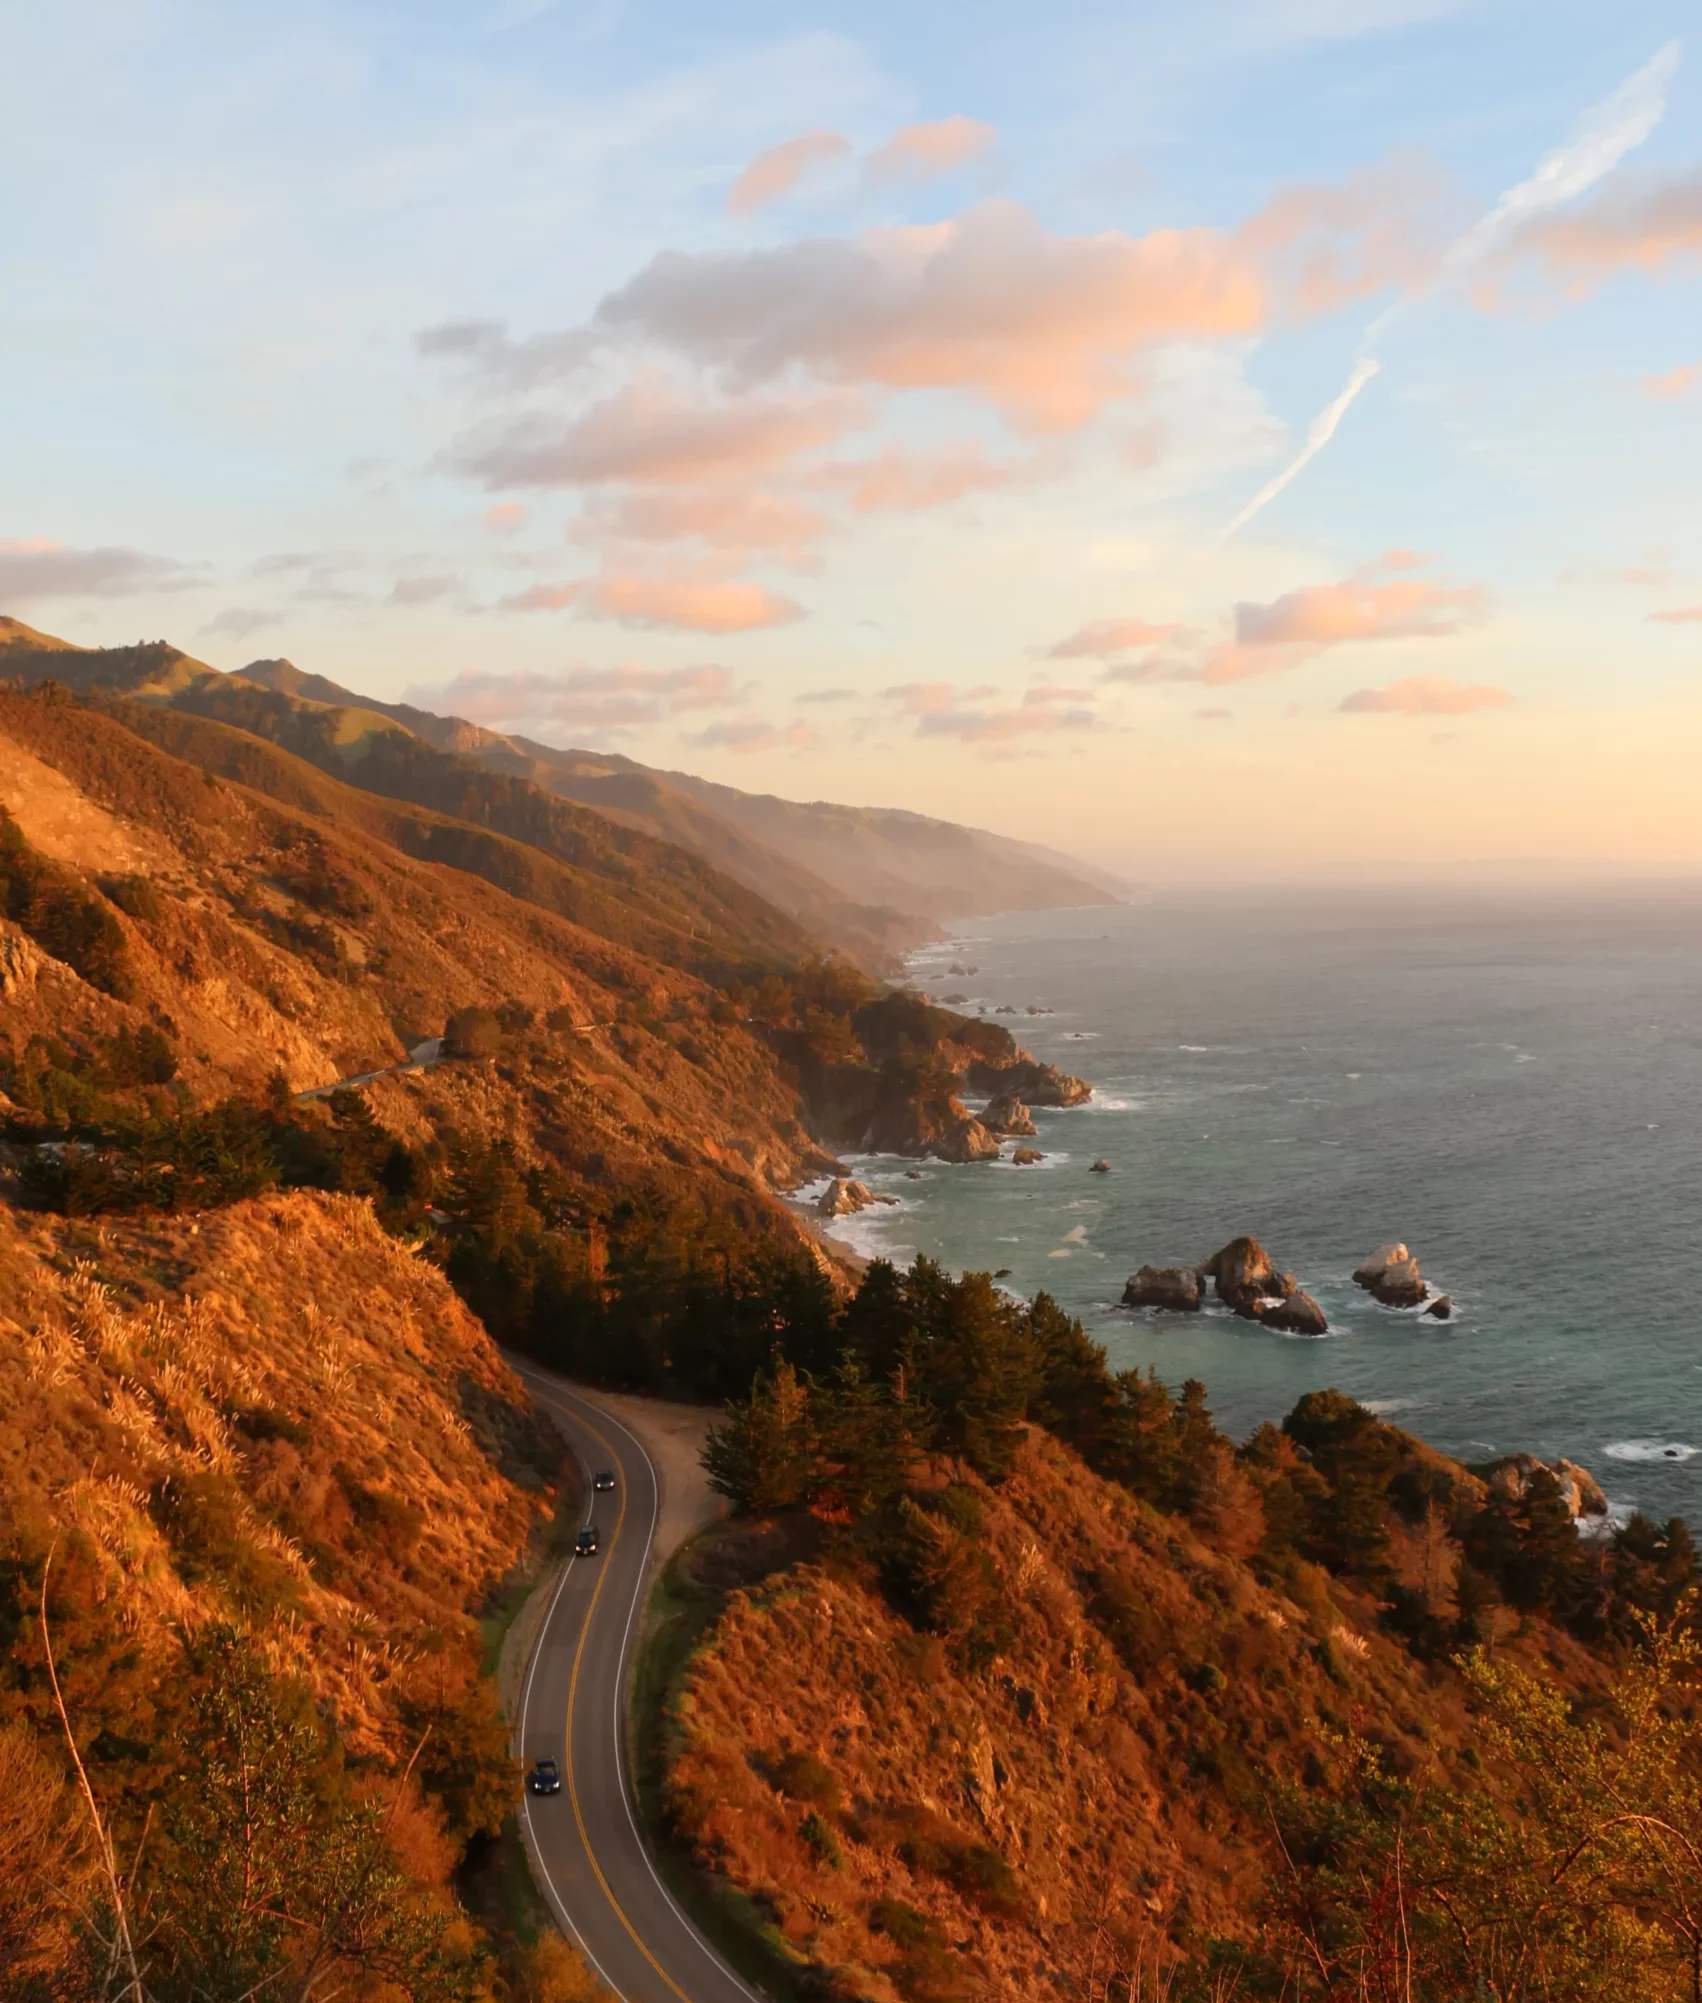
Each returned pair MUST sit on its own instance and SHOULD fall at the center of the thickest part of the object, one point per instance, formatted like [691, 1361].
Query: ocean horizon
[1508, 1081]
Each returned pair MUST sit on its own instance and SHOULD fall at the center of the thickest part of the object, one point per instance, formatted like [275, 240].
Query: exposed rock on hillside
[1580, 1492]
[1006, 1115]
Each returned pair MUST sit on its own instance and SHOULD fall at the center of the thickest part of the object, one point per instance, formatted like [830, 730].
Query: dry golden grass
[1112, 1759]
[138, 1355]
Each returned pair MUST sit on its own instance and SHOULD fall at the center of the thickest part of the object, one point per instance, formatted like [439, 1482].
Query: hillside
[1018, 1679]
[247, 1463]
[868, 882]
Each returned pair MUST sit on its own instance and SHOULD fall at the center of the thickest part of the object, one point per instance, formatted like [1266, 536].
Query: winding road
[584, 1843]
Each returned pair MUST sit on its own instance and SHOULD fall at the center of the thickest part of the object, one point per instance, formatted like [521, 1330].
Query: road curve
[584, 1843]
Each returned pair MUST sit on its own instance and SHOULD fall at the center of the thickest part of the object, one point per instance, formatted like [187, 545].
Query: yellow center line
[572, 1694]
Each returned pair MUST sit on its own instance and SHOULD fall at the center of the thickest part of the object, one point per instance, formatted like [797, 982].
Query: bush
[823, 1844]
[472, 1032]
[61, 917]
[805, 1778]
[135, 896]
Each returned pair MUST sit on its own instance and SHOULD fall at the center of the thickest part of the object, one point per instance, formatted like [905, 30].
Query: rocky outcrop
[1006, 1115]
[1023, 1157]
[1035, 1084]
[965, 1139]
[1441, 1308]
[1579, 1490]
[1100, 1167]
[1391, 1276]
[843, 1198]
[1175, 1289]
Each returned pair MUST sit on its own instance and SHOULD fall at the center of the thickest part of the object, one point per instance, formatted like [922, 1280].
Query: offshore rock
[1024, 1156]
[1243, 1274]
[1295, 1313]
[1035, 1084]
[1176, 1289]
[1442, 1307]
[1391, 1276]
[843, 1197]
[1007, 1115]
[1100, 1167]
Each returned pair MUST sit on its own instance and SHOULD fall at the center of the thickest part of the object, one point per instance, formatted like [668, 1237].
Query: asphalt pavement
[585, 1845]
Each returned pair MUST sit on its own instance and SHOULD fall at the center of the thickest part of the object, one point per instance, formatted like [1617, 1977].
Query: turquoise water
[1511, 1085]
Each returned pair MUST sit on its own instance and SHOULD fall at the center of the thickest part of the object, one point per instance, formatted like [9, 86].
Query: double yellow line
[572, 1694]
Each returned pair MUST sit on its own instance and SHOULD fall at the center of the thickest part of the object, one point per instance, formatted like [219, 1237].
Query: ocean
[1510, 1083]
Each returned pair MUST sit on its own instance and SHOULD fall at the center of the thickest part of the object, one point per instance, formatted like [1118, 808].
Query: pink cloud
[1676, 382]
[1270, 639]
[1681, 615]
[1043, 326]
[505, 517]
[722, 518]
[942, 709]
[744, 735]
[1048, 692]
[603, 697]
[779, 170]
[921, 151]
[907, 482]
[1646, 576]
[1101, 638]
[689, 604]
[1636, 228]
[1326, 245]
[648, 432]
[1426, 695]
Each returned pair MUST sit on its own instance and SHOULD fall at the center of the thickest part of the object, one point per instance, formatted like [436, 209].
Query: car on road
[545, 1778]
[604, 1483]
[586, 1543]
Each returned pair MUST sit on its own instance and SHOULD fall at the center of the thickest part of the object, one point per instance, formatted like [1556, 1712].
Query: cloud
[1426, 695]
[422, 590]
[606, 698]
[1325, 245]
[1101, 638]
[1270, 639]
[542, 597]
[1640, 229]
[505, 517]
[827, 695]
[1214, 715]
[721, 518]
[236, 622]
[691, 605]
[920, 152]
[1680, 615]
[648, 432]
[1676, 382]
[778, 171]
[747, 734]
[905, 482]
[1043, 326]
[487, 349]
[32, 567]
[941, 709]
[1647, 577]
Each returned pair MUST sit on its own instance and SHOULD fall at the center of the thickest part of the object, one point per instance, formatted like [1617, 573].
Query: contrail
[1601, 139]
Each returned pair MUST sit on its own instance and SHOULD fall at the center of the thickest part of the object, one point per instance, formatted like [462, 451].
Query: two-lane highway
[585, 1842]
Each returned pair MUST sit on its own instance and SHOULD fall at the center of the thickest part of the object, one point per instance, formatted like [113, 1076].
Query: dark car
[604, 1481]
[545, 1777]
[585, 1544]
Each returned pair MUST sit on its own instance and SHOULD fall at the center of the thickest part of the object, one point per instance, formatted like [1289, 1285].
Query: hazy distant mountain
[870, 881]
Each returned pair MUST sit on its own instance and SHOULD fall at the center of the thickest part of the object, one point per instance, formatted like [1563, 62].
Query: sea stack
[1391, 1276]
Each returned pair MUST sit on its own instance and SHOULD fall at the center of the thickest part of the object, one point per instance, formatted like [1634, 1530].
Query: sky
[1232, 439]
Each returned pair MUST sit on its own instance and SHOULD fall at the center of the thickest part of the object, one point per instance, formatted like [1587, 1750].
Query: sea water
[1510, 1083]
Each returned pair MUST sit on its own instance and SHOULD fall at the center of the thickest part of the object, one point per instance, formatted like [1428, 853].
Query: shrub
[472, 1032]
[805, 1778]
[823, 1844]
[135, 896]
[61, 916]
